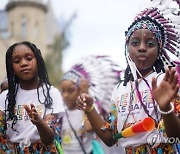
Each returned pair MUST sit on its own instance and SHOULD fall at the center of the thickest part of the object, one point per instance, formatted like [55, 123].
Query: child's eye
[16, 61]
[71, 90]
[29, 58]
[150, 44]
[134, 42]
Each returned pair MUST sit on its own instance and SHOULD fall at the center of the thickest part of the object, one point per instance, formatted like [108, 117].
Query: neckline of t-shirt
[31, 90]
[24, 90]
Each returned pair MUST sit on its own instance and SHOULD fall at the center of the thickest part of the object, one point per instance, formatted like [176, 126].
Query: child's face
[24, 63]
[69, 91]
[143, 49]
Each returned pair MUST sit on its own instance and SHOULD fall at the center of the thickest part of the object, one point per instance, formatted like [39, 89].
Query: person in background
[149, 90]
[4, 85]
[76, 129]
[87, 76]
[31, 106]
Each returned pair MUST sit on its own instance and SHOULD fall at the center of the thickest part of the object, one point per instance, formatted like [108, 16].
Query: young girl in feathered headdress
[96, 76]
[145, 104]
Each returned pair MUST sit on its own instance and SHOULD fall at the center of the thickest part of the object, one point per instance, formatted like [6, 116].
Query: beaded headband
[146, 23]
[162, 17]
[73, 76]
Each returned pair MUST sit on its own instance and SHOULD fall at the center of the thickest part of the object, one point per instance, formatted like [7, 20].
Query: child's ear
[84, 86]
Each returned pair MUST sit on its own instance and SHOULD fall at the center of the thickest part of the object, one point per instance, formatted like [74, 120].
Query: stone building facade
[26, 20]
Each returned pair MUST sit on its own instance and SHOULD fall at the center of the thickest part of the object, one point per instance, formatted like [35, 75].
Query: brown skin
[24, 65]
[142, 45]
[41, 124]
[143, 50]
[70, 92]
[84, 102]
[164, 94]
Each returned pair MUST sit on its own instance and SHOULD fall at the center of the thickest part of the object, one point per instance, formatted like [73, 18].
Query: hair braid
[13, 81]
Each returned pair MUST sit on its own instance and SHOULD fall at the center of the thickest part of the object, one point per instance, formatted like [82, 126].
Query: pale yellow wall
[3, 47]
[35, 17]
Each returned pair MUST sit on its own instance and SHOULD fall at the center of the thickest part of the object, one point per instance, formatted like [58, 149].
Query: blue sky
[98, 28]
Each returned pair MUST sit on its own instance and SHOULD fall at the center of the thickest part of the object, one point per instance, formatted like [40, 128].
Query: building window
[24, 27]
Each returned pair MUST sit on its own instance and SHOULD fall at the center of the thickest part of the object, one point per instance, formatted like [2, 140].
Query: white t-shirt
[70, 143]
[115, 149]
[25, 129]
[121, 97]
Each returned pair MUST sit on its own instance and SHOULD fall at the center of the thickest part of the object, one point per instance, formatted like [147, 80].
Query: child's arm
[45, 132]
[87, 125]
[85, 102]
[164, 94]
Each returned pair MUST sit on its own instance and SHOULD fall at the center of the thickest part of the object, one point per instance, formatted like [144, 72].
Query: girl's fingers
[154, 83]
[83, 97]
[32, 106]
[26, 107]
[177, 88]
[31, 111]
[33, 116]
[171, 75]
[166, 76]
[79, 103]
[79, 107]
[175, 81]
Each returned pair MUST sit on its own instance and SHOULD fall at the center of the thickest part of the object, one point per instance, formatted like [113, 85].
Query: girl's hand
[32, 113]
[167, 90]
[84, 102]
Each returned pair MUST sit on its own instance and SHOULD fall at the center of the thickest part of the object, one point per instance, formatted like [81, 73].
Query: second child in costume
[90, 75]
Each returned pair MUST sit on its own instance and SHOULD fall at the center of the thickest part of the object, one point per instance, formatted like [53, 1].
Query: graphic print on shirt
[68, 135]
[22, 114]
[130, 106]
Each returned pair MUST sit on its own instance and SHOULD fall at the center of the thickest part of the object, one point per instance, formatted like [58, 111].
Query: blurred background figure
[4, 86]
[97, 76]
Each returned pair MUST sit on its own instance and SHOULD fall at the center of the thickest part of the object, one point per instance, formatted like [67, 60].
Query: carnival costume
[134, 100]
[23, 137]
[101, 74]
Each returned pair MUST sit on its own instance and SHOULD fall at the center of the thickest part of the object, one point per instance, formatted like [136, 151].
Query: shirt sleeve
[2, 100]
[57, 105]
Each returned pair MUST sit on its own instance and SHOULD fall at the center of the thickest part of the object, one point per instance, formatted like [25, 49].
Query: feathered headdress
[102, 73]
[162, 17]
